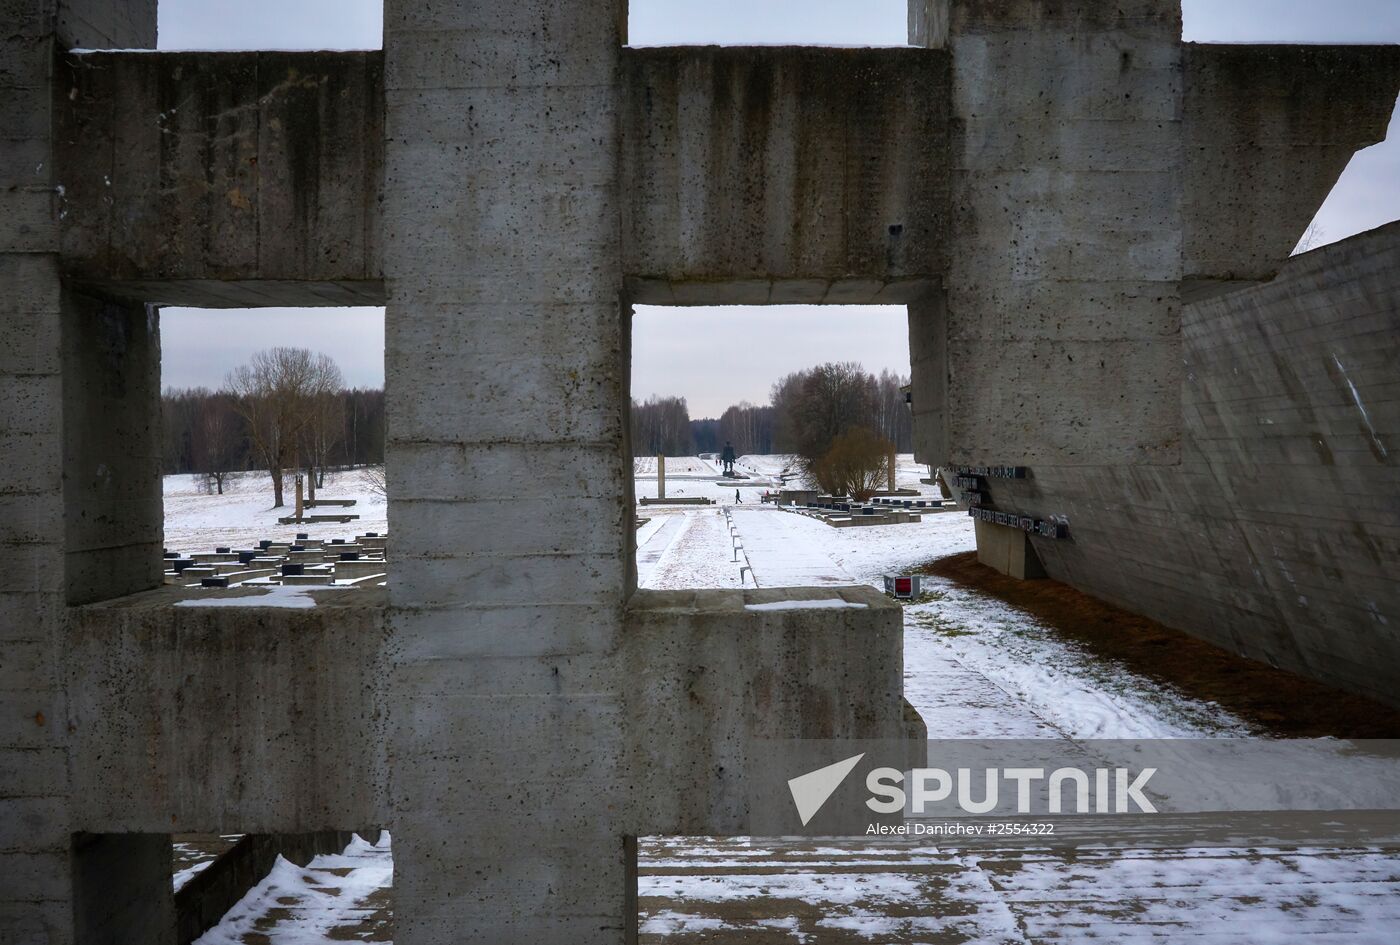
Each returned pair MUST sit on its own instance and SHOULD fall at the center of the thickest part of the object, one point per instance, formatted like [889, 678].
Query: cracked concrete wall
[761, 175]
[223, 179]
[1277, 535]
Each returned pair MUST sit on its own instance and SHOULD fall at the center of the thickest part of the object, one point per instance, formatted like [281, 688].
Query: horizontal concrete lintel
[645, 290]
[241, 293]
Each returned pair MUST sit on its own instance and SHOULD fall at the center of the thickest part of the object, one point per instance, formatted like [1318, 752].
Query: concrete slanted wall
[1278, 534]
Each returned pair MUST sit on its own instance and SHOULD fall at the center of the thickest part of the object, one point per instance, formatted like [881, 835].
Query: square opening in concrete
[177, 421]
[160, 889]
[752, 425]
[247, 392]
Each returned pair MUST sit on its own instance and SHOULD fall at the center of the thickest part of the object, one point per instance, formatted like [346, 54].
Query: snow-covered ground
[195, 521]
[334, 898]
[974, 668]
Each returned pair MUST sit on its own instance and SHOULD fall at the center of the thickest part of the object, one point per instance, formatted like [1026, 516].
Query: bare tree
[1312, 239]
[276, 393]
[324, 429]
[214, 440]
[661, 427]
[856, 464]
[375, 480]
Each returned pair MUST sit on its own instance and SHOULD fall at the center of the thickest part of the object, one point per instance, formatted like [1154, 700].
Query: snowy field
[195, 521]
[974, 668]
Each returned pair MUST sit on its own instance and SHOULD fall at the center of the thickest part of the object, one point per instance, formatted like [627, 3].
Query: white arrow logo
[812, 790]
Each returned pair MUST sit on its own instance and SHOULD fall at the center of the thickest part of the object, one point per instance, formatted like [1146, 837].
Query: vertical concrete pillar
[928, 23]
[122, 892]
[36, 877]
[111, 448]
[1063, 319]
[505, 379]
[928, 375]
[661, 477]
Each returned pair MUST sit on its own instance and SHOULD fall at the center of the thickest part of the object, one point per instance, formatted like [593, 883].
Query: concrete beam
[771, 175]
[226, 719]
[709, 677]
[1268, 131]
[222, 179]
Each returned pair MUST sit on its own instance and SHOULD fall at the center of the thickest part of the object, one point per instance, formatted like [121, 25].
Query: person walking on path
[736, 497]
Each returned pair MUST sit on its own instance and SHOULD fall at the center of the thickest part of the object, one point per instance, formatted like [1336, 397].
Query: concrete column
[1063, 326]
[928, 369]
[121, 889]
[928, 23]
[661, 477]
[505, 377]
[36, 879]
[111, 448]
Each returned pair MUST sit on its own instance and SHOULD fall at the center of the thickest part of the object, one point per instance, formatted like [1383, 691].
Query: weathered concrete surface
[1277, 536]
[38, 864]
[502, 266]
[1268, 130]
[1061, 334]
[121, 889]
[223, 179]
[763, 175]
[227, 719]
[508, 142]
[111, 448]
[709, 676]
[1096, 164]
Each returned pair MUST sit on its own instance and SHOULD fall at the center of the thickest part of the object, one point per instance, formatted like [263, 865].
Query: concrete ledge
[227, 719]
[710, 673]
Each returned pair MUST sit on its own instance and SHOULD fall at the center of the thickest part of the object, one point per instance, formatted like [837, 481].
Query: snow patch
[295, 597]
[829, 604]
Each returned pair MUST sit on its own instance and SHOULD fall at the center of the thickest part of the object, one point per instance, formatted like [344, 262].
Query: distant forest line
[663, 425]
[203, 430]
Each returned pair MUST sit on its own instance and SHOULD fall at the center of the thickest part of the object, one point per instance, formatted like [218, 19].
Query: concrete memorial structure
[1044, 184]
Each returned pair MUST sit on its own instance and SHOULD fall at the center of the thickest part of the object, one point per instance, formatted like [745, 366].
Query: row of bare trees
[661, 427]
[287, 409]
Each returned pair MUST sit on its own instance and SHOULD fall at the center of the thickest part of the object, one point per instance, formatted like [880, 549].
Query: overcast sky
[714, 357]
